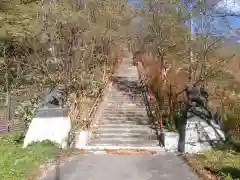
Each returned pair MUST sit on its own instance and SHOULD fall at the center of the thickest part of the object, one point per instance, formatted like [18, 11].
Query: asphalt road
[165, 166]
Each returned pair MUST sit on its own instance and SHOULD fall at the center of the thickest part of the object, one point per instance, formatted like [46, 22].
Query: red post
[121, 60]
[160, 124]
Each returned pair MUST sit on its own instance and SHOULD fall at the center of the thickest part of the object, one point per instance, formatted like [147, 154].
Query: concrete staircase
[123, 122]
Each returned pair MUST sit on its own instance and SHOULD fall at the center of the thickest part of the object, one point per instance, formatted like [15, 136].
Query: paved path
[123, 123]
[119, 167]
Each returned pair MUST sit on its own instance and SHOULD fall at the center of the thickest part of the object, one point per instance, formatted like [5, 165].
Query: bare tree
[170, 41]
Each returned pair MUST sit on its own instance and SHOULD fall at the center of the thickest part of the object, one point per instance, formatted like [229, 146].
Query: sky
[135, 2]
[229, 6]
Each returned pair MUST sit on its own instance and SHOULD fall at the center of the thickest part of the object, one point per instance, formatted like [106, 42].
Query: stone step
[126, 135]
[127, 67]
[125, 121]
[124, 143]
[113, 112]
[125, 75]
[128, 118]
[125, 103]
[125, 126]
[131, 85]
[130, 93]
[131, 103]
[123, 115]
[125, 108]
[129, 108]
[142, 113]
[125, 78]
[3, 127]
[126, 95]
[157, 149]
[115, 137]
[127, 99]
[135, 88]
[126, 114]
[118, 130]
[126, 89]
[126, 71]
[119, 122]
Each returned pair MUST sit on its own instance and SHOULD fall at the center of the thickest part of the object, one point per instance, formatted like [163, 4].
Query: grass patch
[217, 164]
[17, 163]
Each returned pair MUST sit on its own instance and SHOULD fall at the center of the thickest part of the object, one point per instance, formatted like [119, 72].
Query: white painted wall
[55, 129]
[198, 134]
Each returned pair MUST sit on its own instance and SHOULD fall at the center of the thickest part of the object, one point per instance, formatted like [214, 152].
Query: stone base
[201, 135]
[171, 140]
[81, 139]
[55, 129]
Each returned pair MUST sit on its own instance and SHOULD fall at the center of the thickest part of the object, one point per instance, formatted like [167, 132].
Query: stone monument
[51, 121]
[201, 130]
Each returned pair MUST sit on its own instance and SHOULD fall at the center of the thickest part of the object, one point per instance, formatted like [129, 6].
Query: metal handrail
[143, 81]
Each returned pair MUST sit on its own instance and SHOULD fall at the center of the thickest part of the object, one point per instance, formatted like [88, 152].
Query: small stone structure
[171, 140]
[199, 131]
[201, 134]
[51, 121]
[82, 138]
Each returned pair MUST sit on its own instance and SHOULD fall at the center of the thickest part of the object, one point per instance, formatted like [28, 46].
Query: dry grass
[216, 164]
[197, 166]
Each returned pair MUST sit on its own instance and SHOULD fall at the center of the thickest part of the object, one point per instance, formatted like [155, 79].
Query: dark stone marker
[54, 98]
[52, 103]
[197, 99]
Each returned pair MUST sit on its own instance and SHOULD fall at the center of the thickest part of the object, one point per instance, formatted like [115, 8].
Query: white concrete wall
[171, 140]
[199, 134]
[55, 129]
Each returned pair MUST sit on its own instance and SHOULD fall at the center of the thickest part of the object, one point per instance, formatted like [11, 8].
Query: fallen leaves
[204, 173]
[129, 152]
